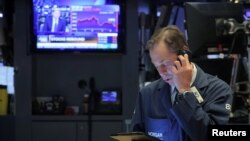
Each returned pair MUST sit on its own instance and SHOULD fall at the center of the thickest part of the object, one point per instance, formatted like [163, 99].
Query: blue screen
[7, 77]
[109, 96]
[73, 25]
[246, 14]
[69, 2]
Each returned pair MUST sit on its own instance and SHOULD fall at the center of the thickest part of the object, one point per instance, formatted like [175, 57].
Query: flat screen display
[74, 26]
[109, 97]
[7, 77]
[202, 30]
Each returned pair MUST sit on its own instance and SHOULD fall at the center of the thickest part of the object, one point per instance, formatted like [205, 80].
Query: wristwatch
[194, 91]
[184, 93]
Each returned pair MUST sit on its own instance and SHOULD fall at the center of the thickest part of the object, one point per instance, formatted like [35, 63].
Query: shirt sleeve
[194, 117]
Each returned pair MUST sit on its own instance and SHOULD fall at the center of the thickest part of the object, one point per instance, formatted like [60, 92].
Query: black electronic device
[109, 102]
[214, 67]
[182, 52]
[75, 26]
[200, 22]
[133, 136]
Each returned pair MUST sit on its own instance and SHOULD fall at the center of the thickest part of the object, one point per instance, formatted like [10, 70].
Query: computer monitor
[7, 77]
[213, 67]
[200, 22]
[109, 97]
[109, 102]
[73, 26]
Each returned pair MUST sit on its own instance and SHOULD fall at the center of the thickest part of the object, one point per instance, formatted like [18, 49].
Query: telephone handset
[182, 52]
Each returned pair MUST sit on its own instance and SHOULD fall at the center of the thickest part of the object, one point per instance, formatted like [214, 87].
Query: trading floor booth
[218, 38]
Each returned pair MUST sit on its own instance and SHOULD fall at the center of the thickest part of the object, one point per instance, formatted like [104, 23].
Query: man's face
[163, 59]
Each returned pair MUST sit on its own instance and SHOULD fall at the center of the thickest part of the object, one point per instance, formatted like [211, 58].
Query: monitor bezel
[192, 28]
[120, 38]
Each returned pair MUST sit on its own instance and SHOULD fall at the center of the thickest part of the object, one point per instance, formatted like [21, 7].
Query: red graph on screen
[93, 22]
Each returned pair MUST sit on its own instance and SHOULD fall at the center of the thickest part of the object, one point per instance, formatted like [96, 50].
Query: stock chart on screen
[76, 27]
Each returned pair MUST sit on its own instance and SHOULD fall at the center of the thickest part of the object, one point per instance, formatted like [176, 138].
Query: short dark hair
[172, 37]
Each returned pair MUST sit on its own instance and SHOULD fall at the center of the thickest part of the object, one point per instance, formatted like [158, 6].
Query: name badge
[197, 94]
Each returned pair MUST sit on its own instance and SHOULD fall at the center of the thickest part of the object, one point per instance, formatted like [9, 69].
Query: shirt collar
[194, 74]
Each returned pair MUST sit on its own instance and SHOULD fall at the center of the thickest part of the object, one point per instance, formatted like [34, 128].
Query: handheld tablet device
[133, 136]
